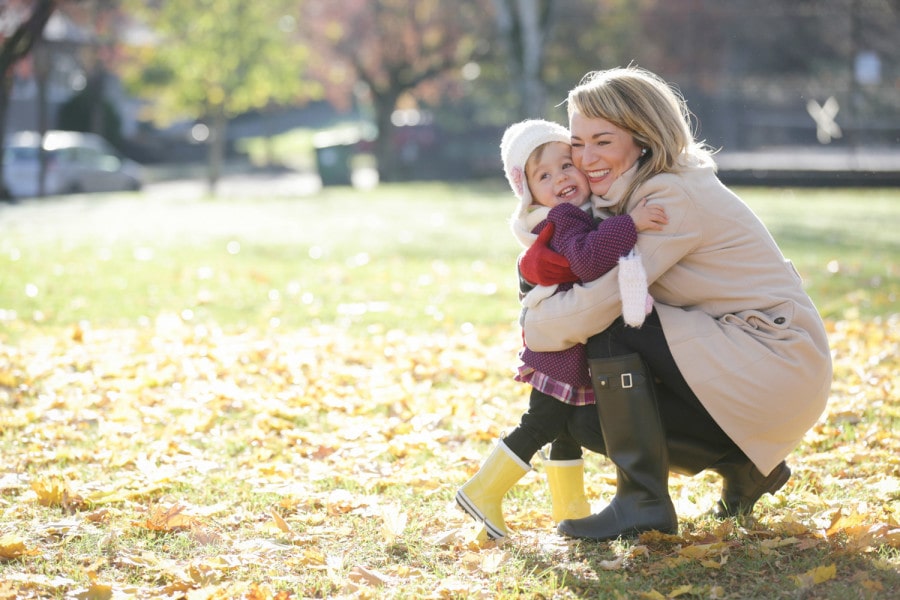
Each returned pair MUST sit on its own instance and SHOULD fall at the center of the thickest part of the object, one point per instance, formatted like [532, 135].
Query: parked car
[76, 163]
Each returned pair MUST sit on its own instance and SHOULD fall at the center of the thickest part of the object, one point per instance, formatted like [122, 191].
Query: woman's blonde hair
[652, 111]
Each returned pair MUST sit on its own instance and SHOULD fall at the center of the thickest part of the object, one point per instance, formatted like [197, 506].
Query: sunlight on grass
[240, 398]
[418, 256]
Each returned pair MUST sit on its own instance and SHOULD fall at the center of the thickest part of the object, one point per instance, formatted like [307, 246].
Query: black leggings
[546, 421]
[682, 413]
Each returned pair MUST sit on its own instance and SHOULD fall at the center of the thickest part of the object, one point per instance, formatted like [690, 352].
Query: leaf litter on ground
[183, 460]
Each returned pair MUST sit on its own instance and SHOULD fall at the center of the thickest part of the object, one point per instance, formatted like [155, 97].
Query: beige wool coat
[745, 335]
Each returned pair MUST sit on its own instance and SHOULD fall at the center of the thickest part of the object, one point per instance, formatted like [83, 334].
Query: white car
[76, 163]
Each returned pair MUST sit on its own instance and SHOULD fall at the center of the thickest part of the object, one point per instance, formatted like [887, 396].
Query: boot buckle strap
[626, 382]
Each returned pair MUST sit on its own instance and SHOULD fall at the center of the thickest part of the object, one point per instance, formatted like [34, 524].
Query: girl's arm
[592, 249]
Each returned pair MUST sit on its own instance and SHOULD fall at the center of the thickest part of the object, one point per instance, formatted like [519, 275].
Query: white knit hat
[519, 141]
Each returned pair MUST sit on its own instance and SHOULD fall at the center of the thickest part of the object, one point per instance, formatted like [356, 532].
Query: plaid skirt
[574, 395]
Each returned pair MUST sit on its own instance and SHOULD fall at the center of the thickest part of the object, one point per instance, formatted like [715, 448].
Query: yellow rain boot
[481, 497]
[566, 481]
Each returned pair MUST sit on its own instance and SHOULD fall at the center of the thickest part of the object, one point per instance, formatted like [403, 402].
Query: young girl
[554, 203]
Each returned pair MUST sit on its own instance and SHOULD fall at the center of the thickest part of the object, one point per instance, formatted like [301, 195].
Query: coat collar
[616, 191]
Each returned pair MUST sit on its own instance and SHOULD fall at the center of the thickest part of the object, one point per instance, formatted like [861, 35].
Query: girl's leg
[564, 447]
[544, 422]
[482, 496]
[565, 477]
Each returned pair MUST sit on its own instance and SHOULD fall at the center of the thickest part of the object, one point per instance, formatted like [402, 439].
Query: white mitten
[636, 302]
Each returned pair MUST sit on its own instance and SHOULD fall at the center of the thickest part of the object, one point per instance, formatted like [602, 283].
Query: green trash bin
[334, 157]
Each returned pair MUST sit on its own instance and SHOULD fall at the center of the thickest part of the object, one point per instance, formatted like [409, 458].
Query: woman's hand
[541, 265]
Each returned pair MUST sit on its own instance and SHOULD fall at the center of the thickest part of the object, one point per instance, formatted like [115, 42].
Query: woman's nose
[587, 157]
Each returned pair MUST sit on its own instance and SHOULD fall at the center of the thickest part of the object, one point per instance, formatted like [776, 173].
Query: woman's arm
[571, 317]
[592, 249]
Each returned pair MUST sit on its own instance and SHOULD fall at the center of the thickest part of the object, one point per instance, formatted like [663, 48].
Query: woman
[731, 368]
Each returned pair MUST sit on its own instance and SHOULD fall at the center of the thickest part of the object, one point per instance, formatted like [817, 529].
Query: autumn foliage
[259, 457]
[183, 462]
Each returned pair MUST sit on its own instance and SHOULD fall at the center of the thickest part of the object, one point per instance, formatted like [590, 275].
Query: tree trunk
[534, 93]
[523, 26]
[5, 88]
[218, 141]
[42, 131]
[14, 48]
[269, 127]
[388, 162]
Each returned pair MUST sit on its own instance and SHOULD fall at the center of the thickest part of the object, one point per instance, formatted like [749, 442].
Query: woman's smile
[598, 175]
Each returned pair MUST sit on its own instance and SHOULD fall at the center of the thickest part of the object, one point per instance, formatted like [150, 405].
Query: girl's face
[601, 150]
[554, 179]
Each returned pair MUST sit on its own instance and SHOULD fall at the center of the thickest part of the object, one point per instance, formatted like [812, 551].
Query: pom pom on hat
[519, 141]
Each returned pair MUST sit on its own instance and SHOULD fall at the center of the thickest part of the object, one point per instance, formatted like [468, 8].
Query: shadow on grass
[755, 561]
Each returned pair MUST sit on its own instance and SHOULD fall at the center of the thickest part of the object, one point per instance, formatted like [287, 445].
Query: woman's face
[601, 150]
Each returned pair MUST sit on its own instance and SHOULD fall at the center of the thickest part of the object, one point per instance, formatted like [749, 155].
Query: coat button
[780, 321]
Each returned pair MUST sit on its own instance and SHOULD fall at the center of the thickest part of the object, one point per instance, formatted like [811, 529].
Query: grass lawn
[240, 397]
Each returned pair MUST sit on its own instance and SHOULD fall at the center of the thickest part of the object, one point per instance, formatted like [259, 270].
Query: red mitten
[541, 265]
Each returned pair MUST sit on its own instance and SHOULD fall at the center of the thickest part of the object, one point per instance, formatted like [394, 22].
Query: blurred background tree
[212, 60]
[393, 54]
[438, 81]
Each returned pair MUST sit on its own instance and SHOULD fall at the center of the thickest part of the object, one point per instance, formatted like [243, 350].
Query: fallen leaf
[393, 522]
[13, 547]
[492, 560]
[55, 492]
[368, 577]
[97, 591]
[280, 523]
[779, 542]
[703, 550]
[815, 576]
[168, 519]
[613, 565]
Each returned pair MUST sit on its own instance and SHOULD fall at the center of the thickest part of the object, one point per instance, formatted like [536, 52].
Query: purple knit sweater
[591, 250]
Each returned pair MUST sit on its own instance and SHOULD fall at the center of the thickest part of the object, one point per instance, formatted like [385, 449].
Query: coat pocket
[774, 322]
